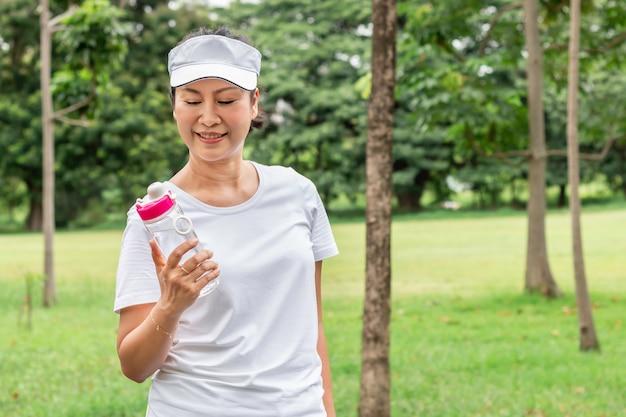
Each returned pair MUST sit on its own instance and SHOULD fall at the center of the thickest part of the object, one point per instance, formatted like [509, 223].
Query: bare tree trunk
[49, 292]
[375, 374]
[538, 274]
[34, 221]
[588, 338]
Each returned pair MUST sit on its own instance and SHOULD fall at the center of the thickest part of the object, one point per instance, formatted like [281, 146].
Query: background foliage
[461, 79]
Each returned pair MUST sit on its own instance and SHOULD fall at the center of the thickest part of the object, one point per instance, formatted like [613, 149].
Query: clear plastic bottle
[167, 224]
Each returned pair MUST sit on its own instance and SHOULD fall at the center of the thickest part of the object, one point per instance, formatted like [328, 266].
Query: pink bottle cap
[158, 202]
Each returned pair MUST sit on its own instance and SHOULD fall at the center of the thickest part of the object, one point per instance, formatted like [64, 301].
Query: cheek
[176, 112]
[182, 115]
[183, 122]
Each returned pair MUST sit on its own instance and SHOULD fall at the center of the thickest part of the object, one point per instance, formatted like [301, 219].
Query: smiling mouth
[211, 136]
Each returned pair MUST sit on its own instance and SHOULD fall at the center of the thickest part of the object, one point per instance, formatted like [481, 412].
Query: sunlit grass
[465, 340]
[462, 256]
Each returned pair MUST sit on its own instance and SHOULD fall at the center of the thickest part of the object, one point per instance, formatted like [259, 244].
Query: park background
[466, 339]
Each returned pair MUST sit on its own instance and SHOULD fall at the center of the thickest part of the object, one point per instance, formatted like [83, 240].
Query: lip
[210, 137]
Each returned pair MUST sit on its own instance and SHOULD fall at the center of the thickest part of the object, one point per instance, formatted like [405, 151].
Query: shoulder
[278, 174]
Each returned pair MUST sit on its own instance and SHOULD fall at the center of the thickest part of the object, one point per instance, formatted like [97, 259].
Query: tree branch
[502, 156]
[600, 156]
[59, 114]
[56, 19]
[589, 156]
[492, 23]
[556, 152]
[73, 122]
[92, 93]
[612, 43]
[446, 47]
[557, 46]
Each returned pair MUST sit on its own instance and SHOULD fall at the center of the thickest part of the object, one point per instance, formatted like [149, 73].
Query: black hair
[259, 121]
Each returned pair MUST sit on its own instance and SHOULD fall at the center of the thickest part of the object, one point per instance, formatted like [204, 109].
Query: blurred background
[461, 98]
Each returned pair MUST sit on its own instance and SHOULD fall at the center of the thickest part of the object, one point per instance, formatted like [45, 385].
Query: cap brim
[236, 75]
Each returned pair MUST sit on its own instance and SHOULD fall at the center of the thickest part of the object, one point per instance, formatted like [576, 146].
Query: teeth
[209, 136]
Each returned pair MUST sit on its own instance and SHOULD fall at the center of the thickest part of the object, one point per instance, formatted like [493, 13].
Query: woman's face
[213, 118]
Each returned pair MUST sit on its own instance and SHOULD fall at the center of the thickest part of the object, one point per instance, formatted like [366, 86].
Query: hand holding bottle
[182, 283]
[170, 229]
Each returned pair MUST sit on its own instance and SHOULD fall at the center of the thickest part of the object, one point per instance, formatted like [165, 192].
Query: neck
[220, 184]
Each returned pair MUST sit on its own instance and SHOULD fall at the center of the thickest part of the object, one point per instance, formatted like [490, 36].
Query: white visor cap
[214, 56]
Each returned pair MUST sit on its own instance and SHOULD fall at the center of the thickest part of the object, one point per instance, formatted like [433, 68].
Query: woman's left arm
[322, 347]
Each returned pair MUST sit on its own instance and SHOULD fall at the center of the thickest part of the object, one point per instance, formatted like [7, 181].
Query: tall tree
[375, 374]
[130, 141]
[47, 125]
[95, 19]
[471, 82]
[538, 273]
[587, 331]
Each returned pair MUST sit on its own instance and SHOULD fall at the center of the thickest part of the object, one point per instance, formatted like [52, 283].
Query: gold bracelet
[159, 328]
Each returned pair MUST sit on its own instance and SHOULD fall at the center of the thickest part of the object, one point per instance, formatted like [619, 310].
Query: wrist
[167, 311]
[165, 321]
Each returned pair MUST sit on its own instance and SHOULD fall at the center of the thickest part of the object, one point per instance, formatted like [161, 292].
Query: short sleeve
[324, 245]
[136, 280]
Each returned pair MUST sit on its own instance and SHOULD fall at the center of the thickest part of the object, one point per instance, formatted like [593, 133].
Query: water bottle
[168, 225]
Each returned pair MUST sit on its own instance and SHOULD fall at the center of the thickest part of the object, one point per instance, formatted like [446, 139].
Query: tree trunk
[412, 200]
[34, 220]
[587, 335]
[538, 274]
[409, 201]
[562, 196]
[375, 374]
[49, 292]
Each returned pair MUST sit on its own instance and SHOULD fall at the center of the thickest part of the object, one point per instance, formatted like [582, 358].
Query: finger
[199, 258]
[208, 276]
[157, 256]
[198, 270]
[174, 259]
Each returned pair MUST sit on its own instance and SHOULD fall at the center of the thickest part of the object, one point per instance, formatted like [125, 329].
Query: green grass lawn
[465, 340]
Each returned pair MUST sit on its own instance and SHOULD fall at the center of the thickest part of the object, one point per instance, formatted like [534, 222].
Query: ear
[255, 104]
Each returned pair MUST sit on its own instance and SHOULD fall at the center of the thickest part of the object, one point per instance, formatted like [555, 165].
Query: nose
[209, 115]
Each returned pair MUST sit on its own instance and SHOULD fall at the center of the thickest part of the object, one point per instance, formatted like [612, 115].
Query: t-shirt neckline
[246, 205]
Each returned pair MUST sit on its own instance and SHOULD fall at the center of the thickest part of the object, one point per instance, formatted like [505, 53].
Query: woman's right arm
[142, 346]
[146, 331]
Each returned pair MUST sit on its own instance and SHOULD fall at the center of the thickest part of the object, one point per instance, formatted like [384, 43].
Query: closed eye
[226, 102]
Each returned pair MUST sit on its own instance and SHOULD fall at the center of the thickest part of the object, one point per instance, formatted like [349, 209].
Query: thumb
[157, 256]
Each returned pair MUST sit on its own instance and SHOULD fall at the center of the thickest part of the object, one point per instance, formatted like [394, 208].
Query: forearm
[322, 350]
[143, 350]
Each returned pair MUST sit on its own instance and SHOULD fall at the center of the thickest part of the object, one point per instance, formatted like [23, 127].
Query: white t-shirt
[248, 348]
